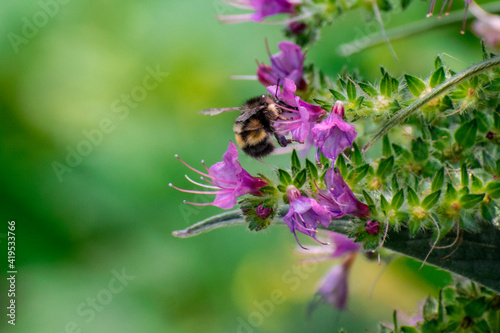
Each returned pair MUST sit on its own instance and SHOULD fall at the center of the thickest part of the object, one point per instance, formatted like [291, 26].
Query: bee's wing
[247, 113]
[213, 112]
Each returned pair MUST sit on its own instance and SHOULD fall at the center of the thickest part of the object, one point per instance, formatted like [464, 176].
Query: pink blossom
[228, 180]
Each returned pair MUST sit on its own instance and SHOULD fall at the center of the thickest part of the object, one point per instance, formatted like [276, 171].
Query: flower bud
[372, 227]
[338, 108]
[292, 193]
[263, 212]
[296, 28]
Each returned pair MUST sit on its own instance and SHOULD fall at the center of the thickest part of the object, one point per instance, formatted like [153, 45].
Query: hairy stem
[401, 116]
[410, 29]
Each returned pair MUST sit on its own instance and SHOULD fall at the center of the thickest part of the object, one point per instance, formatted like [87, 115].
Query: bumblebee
[253, 129]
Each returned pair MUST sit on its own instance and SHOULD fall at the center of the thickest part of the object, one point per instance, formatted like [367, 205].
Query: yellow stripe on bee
[253, 125]
[240, 141]
[256, 137]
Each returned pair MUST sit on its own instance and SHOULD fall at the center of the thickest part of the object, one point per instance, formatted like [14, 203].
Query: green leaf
[368, 199]
[415, 85]
[285, 177]
[356, 154]
[281, 188]
[414, 226]
[386, 147]
[408, 329]
[351, 91]
[477, 307]
[437, 77]
[360, 172]
[482, 122]
[295, 162]
[493, 189]
[470, 200]
[386, 85]
[419, 150]
[368, 89]
[412, 197]
[400, 151]
[438, 180]
[337, 96]
[384, 205]
[311, 168]
[496, 120]
[430, 200]
[464, 175]
[341, 165]
[438, 63]
[385, 167]
[430, 308]
[477, 184]
[465, 135]
[488, 163]
[300, 178]
[397, 200]
[394, 183]
[451, 194]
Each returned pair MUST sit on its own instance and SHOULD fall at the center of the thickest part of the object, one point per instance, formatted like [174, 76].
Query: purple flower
[305, 214]
[372, 227]
[333, 134]
[338, 197]
[227, 178]
[342, 244]
[301, 116]
[261, 8]
[334, 289]
[487, 26]
[289, 63]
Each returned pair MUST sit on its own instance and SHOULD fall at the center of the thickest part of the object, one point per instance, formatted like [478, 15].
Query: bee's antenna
[267, 47]
[277, 88]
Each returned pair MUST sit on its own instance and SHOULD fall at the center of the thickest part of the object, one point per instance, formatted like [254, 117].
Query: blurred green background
[65, 83]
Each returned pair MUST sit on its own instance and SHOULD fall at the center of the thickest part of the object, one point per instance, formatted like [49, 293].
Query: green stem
[417, 27]
[456, 79]
[234, 218]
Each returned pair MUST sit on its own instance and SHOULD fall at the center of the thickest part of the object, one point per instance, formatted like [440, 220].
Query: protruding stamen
[198, 192]
[465, 18]
[431, 8]
[190, 167]
[202, 185]
[442, 8]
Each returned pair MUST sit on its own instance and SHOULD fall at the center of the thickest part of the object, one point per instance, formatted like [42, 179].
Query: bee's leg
[291, 140]
[275, 113]
[282, 141]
